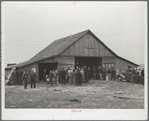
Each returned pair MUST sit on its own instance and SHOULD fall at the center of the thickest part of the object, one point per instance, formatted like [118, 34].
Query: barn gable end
[89, 46]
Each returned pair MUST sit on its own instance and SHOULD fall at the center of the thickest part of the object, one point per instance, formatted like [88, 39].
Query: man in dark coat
[59, 75]
[44, 75]
[66, 79]
[63, 76]
[94, 73]
[32, 77]
[113, 74]
[25, 76]
[89, 74]
[51, 77]
[142, 73]
[86, 74]
[78, 77]
[99, 73]
[104, 73]
[109, 74]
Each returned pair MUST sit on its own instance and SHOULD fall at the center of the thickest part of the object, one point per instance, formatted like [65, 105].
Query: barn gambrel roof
[59, 46]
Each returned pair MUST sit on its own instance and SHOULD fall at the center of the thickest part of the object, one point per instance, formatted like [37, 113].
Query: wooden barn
[80, 49]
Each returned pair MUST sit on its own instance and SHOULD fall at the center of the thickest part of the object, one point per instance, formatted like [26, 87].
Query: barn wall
[110, 61]
[62, 61]
[66, 61]
[88, 46]
[122, 65]
[50, 60]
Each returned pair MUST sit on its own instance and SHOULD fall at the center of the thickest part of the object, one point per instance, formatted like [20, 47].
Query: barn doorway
[88, 61]
[47, 66]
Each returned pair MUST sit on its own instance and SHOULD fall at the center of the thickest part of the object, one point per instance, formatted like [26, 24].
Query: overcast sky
[31, 26]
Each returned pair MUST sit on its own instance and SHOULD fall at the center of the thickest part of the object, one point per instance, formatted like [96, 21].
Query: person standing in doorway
[78, 77]
[51, 77]
[86, 74]
[44, 75]
[66, 78]
[69, 73]
[113, 74]
[63, 76]
[32, 77]
[99, 73]
[57, 76]
[25, 76]
[94, 73]
[89, 74]
[109, 74]
[82, 75]
[104, 73]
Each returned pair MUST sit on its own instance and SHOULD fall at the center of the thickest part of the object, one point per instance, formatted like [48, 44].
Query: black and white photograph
[77, 60]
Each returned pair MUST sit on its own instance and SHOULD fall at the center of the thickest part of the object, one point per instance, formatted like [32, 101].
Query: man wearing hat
[32, 77]
[24, 76]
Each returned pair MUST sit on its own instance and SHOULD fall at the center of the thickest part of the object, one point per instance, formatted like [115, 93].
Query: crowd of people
[70, 76]
[18, 77]
[78, 75]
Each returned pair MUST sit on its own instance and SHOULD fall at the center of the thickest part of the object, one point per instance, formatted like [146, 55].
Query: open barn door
[88, 61]
[47, 66]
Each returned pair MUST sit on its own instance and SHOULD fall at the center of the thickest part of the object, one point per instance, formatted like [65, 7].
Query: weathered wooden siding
[122, 65]
[50, 60]
[87, 46]
[109, 60]
[66, 61]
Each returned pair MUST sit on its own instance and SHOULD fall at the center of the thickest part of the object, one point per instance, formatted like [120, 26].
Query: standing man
[86, 74]
[57, 76]
[63, 76]
[69, 73]
[51, 77]
[14, 77]
[32, 77]
[78, 77]
[89, 73]
[59, 73]
[99, 72]
[113, 74]
[44, 75]
[24, 76]
[109, 74]
[142, 73]
[94, 73]
[104, 73]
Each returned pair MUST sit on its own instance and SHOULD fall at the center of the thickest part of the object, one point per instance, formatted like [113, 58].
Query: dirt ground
[92, 95]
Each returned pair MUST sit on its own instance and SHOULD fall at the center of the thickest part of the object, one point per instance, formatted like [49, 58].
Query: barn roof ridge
[110, 49]
[58, 46]
[59, 40]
